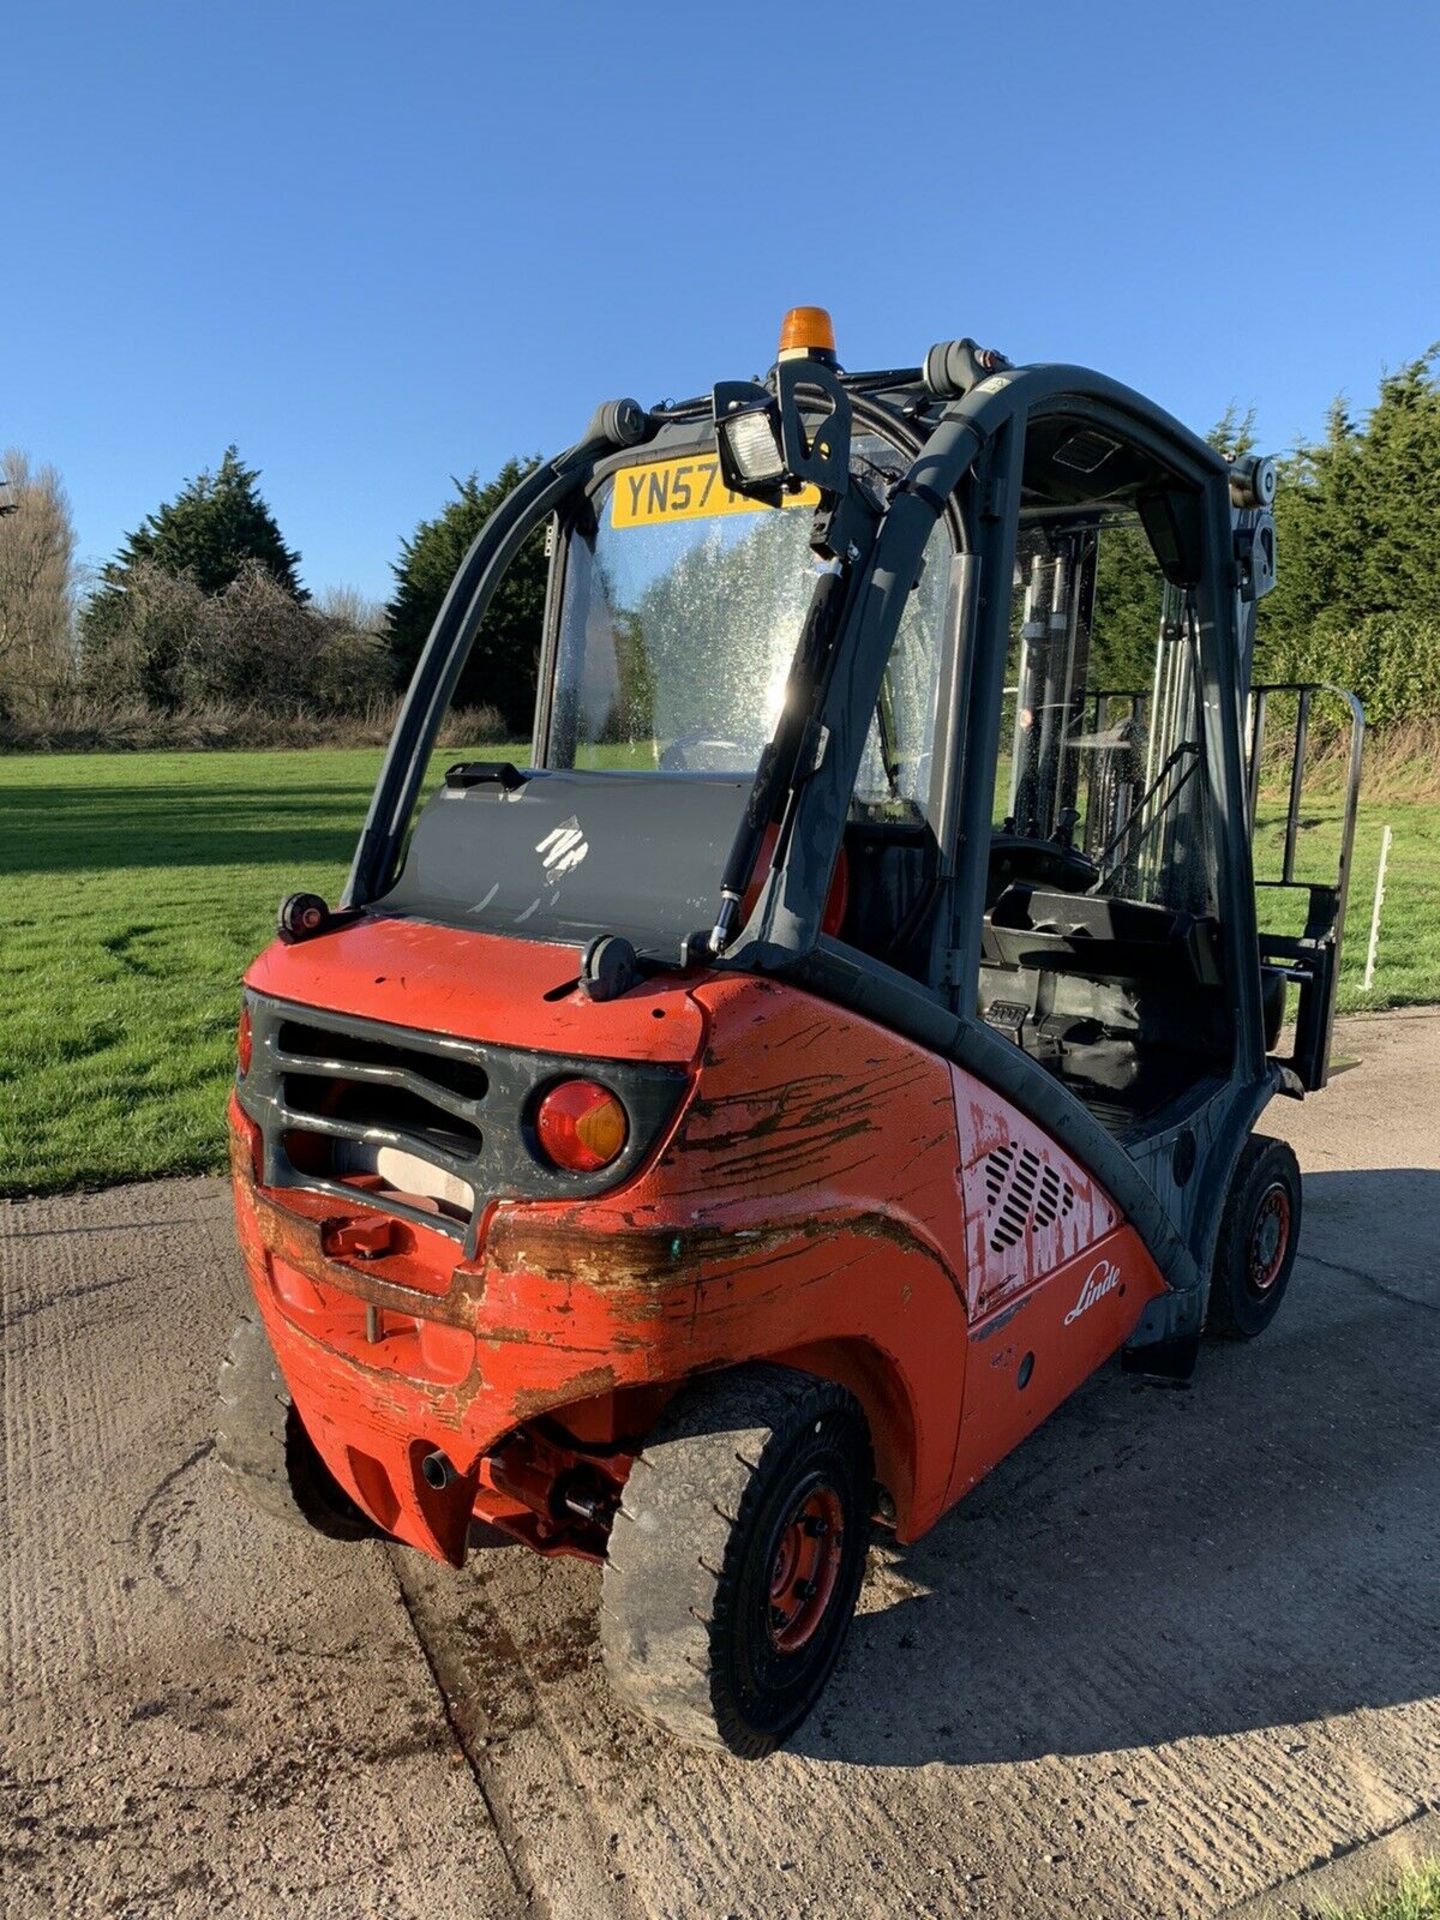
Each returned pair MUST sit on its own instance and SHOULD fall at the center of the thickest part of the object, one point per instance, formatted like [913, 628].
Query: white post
[1375, 915]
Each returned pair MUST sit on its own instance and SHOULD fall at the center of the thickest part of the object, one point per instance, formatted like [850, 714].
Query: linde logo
[563, 848]
[1102, 1278]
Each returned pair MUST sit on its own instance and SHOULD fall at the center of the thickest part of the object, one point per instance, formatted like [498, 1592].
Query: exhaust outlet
[438, 1471]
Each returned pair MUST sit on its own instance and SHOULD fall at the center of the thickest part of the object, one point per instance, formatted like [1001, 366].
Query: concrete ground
[1178, 1650]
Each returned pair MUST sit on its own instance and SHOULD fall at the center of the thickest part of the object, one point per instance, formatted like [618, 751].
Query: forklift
[740, 1125]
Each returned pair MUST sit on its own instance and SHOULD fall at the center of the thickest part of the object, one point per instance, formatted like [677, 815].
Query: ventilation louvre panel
[1022, 1194]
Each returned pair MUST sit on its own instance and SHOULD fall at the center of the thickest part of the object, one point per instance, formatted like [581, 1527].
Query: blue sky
[376, 244]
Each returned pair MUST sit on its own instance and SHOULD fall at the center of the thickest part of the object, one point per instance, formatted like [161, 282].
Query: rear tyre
[736, 1557]
[1259, 1234]
[262, 1444]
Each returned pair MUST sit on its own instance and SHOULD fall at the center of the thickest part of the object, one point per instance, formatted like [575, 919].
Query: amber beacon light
[807, 333]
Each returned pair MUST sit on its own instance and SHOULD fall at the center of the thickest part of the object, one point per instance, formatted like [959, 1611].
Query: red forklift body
[828, 1195]
[841, 1039]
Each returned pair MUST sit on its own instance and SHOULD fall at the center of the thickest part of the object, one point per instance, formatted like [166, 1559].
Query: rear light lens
[244, 1041]
[580, 1126]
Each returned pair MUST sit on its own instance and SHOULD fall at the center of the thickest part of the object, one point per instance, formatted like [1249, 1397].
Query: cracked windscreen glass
[680, 610]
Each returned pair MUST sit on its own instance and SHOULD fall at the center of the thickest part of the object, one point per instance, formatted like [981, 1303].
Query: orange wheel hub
[1269, 1238]
[805, 1568]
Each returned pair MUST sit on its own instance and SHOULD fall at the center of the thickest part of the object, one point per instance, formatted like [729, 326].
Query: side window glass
[894, 781]
[1101, 749]
[889, 870]
[1101, 954]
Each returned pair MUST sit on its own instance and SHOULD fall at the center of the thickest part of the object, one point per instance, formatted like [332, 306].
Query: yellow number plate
[689, 488]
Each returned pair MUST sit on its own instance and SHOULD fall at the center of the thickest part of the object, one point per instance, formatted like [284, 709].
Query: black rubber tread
[1234, 1312]
[721, 1454]
[261, 1442]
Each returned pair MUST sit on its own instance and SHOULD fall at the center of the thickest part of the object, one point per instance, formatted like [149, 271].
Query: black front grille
[395, 1109]
[465, 1078]
[422, 1125]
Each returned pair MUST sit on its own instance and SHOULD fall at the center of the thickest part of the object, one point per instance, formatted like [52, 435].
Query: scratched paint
[819, 1199]
[999, 1268]
[477, 986]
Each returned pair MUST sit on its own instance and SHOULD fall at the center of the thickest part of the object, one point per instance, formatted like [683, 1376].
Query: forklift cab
[844, 1033]
[841, 683]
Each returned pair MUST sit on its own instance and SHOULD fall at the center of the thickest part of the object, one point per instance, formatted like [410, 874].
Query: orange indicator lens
[580, 1126]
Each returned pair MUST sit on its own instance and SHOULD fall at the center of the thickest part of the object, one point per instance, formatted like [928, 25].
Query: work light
[750, 450]
[793, 431]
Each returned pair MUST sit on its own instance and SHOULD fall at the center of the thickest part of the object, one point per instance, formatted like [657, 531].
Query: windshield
[681, 608]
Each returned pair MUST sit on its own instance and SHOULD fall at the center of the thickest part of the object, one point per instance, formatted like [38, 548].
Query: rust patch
[528, 1401]
[641, 1261]
[989, 1327]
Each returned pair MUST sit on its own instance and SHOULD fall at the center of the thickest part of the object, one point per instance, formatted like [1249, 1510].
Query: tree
[172, 648]
[503, 661]
[1128, 588]
[215, 532]
[355, 609]
[1357, 525]
[215, 527]
[1396, 494]
[1233, 434]
[37, 579]
[1358, 513]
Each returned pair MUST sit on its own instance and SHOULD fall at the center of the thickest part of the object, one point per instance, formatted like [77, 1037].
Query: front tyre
[262, 1444]
[1259, 1234]
[736, 1557]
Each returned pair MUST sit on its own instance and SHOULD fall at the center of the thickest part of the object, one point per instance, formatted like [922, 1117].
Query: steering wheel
[701, 752]
[1044, 863]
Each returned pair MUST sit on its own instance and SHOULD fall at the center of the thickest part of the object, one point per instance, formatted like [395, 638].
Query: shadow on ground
[1256, 1550]
[64, 829]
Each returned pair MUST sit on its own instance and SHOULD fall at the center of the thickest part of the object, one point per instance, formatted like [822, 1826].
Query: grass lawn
[134, 888]
[1410, 1896]
[1407, 968]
